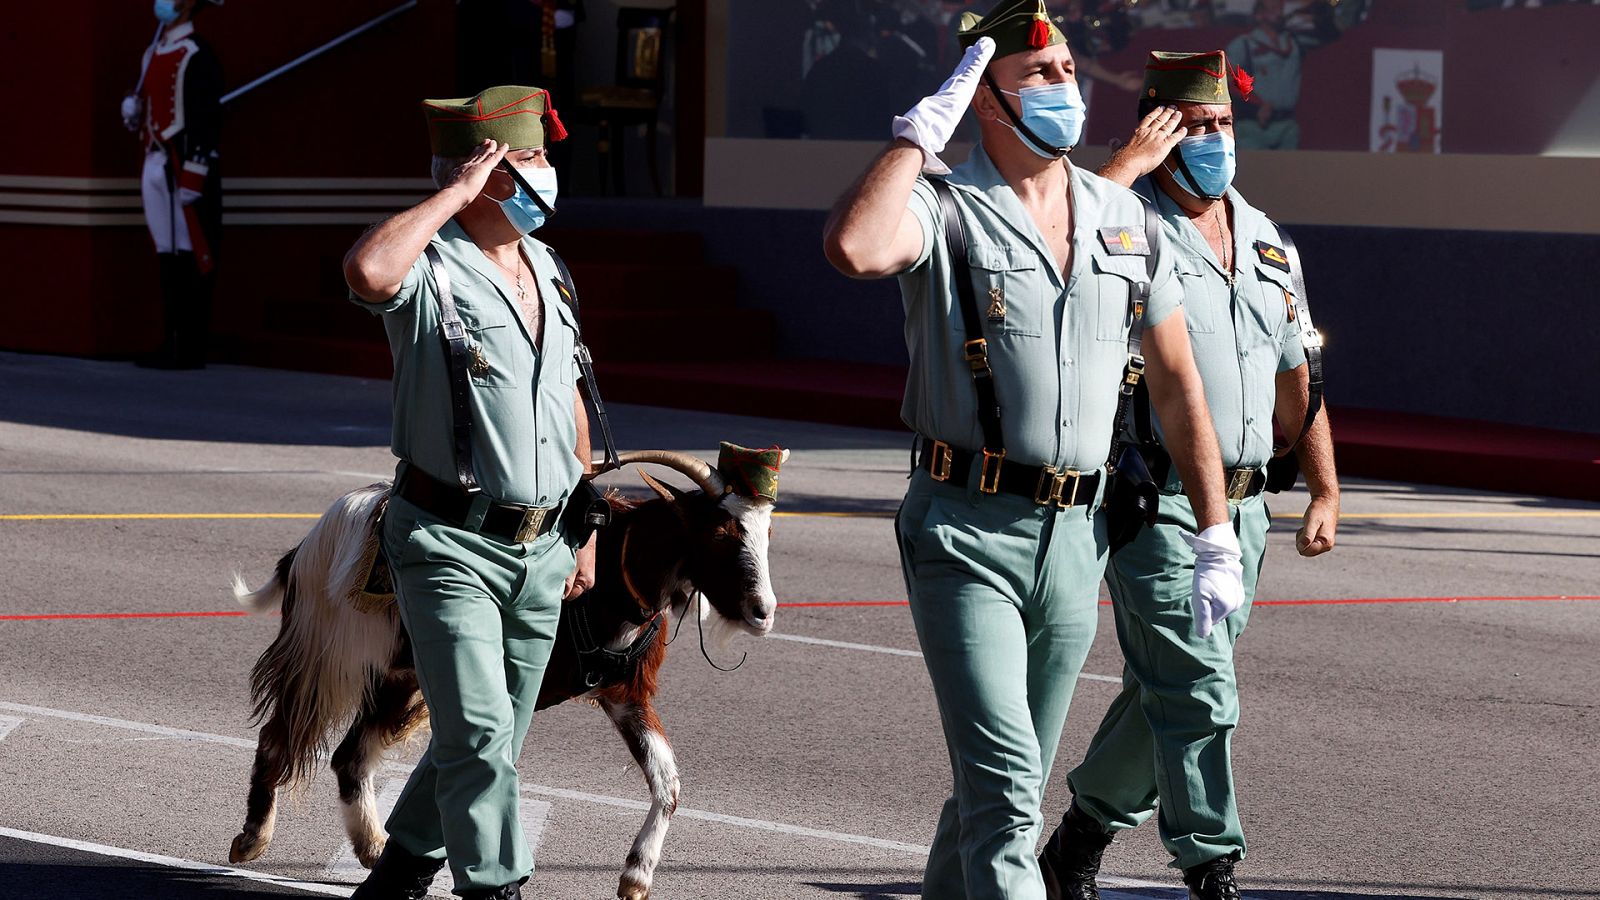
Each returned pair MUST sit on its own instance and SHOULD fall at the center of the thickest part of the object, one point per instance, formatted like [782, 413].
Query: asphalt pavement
[1419, 706]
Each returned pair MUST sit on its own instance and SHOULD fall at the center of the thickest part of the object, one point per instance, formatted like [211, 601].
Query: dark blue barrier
[1494, 326]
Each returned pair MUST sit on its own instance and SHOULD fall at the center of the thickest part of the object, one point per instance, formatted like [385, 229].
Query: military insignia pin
[479, 367]
[1272, 256]
[997, 303]
[1120, 240]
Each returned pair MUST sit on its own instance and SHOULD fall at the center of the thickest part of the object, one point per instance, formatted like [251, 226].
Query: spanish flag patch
[1272, 256]
[1122, 240]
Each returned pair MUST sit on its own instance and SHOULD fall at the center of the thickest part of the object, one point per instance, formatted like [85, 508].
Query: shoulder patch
[1272, 256]
[1124, 240]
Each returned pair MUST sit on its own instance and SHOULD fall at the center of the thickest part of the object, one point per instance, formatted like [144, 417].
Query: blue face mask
[166, 11]
[1054, 113]
[521, 211]
[1206, 165]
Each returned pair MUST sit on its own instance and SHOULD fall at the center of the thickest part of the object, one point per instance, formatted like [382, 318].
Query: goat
[341, 657]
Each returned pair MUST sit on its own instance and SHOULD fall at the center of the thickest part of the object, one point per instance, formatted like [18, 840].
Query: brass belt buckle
[942, 456]
[1239, 483]
[989, 475]
[532, 523]
[1053, 484]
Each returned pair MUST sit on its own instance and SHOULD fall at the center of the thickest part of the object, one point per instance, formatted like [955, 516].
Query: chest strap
[1310, 338]
[975, 350]
[459, 354]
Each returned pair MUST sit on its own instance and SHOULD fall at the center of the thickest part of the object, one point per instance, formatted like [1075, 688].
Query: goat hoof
[245, 848]
[632, 889]
[368, 855]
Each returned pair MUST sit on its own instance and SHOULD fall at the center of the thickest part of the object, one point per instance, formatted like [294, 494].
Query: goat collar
[647, 610]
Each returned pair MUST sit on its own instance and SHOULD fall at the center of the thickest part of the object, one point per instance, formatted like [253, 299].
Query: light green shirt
[524, 435]
[1059, 349]
[1239, 328]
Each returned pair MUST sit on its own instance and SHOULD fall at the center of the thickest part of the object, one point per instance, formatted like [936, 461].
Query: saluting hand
[469, 178]
[933, 120]
[1317, 529]
[1151, 143]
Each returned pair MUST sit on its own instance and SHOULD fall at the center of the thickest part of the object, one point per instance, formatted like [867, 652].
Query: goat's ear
[784, 458]
[664, 491]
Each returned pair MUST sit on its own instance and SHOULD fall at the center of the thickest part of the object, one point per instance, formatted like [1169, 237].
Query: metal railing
[304, 58]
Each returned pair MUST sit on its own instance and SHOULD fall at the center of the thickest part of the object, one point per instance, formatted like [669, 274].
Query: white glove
[933, 120]
[1218, 576]
[130, 112]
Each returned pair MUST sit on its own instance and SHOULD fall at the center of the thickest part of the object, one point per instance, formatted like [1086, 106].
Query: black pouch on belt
[587, 511]
[1134, 499]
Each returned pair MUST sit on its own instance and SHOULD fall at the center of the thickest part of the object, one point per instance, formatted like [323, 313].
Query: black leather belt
[1245, 482]
[1041, 484]
[1240, 484]
[511, 522]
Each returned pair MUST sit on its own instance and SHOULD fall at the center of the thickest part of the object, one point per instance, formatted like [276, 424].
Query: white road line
[345, 868]
[8, 724]
[173, 862]
[537, 789]
[896, 651]
[179, 733]
[721, 818]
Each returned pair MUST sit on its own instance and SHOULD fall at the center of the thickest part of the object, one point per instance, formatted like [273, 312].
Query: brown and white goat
[338, 659]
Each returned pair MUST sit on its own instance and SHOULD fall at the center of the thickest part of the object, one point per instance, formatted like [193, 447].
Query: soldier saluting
[1167, 734]
[492, 438]
[177, 112]
[1022, 278]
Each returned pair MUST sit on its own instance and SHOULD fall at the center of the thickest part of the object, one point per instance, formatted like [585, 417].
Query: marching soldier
[177, 111]
[1001, 536]
[492, 438]
[1166, 735]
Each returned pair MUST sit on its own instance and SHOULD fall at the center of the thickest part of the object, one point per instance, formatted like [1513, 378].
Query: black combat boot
[1071, 858]
[1213, 880]
[504, 892]
[397, 875]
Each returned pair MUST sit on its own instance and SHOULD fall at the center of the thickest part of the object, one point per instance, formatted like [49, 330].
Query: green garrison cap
[1016, 26]
[511, 114]
[1192, 77]
[751, 473]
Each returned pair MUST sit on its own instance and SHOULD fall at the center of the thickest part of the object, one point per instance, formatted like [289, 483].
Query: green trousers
[482, 618]
[1166, 736]
[1003, 595]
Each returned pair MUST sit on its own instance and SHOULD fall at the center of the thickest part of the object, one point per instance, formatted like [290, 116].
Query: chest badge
[1120, 240]
[1272, 256]
[997, 304]
[479, 366]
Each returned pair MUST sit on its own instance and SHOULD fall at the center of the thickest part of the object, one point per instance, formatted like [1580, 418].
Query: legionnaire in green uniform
[1001, 536]
[1166, 736]
[473, 534]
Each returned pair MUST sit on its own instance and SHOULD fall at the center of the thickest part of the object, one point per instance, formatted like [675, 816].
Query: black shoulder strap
[1310, 339]
[459, 355]
[591, 387]
[1133, 370]
[976, 349]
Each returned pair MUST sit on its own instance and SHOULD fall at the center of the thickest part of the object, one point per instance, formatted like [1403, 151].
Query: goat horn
[695, 468]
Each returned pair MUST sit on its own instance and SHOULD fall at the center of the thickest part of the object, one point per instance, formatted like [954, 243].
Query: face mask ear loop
[516, 176]
[1193, 186]
[1025, 131]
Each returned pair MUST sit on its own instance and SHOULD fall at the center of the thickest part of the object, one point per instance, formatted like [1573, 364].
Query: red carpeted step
[621, 246]
[666, 335]
[655, 286]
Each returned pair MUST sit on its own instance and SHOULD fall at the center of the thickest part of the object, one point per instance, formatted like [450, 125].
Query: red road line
[1328, 601]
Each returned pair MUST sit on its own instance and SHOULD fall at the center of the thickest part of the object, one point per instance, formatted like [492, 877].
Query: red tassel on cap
[553, 129]
[1039, 35]
[1243, 82]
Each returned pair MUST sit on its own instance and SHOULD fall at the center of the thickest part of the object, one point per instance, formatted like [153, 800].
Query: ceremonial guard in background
[177, 111]
[1002, 536]
[1166, 736]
